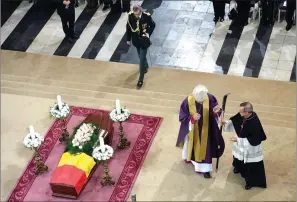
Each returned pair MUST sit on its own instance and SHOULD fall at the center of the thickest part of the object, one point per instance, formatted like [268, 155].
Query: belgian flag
[73, 171]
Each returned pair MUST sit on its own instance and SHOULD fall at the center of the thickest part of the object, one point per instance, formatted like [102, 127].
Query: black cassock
[251, 129]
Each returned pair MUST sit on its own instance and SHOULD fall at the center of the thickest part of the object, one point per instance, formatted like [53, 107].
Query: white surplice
[242, 149]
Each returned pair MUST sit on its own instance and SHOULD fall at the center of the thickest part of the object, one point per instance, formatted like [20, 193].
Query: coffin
[63, 183]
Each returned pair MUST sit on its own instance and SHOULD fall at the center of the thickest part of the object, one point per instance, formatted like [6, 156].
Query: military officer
[139, 28]
[66, 10]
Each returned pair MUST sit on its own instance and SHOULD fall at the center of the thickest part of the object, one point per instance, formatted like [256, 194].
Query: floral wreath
[60, 114]
[123, 116]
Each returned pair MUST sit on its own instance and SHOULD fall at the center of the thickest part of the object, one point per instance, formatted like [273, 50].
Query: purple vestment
[214, 135]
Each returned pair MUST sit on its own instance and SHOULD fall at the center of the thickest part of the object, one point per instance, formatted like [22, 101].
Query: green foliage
[88, 147]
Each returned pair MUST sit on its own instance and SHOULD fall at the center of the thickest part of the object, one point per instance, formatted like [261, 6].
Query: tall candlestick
[105, 135]
[59, 99]
[31, 129]
[118, 106]
[102, 133]
[101, 141]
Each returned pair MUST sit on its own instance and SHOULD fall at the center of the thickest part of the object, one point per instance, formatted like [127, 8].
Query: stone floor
[185, 38]
[30, 83]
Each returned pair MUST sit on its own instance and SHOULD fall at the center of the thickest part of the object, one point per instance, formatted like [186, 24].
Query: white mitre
[200, 93]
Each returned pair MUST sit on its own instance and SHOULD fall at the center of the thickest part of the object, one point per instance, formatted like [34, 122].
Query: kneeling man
[246, 149]
[199, 135]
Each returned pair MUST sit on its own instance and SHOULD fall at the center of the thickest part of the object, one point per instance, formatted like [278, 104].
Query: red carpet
[124, 167]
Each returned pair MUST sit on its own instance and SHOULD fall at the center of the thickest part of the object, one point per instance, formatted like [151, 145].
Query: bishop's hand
[196, 116]
[217, 109]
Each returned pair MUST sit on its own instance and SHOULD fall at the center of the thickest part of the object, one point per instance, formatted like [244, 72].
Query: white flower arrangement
[83, 135]
[60, 114]
[124, 116]
[103, 152]
[33, 140]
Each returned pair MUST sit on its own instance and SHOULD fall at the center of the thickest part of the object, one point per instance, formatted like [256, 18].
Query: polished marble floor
[185, 37]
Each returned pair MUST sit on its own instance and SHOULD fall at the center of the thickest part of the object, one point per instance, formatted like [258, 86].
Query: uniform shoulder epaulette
[147, 13]
[131, 12]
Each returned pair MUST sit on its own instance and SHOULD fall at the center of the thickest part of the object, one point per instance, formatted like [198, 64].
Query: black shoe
[235, 171]
[145, 71]
[105, 7]
[139, 84]
[289, 26]
[215, 19]
[207, 175]
[248, 187]
[75, 36]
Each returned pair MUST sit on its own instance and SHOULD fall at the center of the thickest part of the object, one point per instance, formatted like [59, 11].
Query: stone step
[172, 105]
[146, 97]
[133, 106]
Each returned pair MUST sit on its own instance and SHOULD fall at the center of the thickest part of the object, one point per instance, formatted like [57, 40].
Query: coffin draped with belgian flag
[74, 170]
[72, 174]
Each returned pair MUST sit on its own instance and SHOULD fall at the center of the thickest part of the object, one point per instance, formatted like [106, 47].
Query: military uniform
[67, 17]
[137, 28]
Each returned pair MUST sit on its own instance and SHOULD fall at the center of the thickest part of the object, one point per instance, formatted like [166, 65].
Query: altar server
[199, 135]
[246, 149]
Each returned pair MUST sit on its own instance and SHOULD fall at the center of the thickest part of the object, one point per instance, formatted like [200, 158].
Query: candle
[118, 106]
[59, 99]
[105, 135]
[101, 141]
[102, 133]
[31, 129]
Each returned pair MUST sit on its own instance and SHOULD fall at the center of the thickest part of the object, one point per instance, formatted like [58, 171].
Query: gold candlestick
[40, 167]
[65, 135]
[107, 180]
[124, 142]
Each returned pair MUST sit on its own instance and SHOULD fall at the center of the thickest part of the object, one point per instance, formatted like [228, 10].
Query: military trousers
[143, 65]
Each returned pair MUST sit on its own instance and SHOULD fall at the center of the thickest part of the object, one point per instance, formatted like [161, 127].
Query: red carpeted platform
[124, 167]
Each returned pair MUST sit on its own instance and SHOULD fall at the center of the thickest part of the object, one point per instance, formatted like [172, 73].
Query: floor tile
[201, 8]
[175, 5]
[282, 75]
[290, 40]
[271, 64]
[288, 56]
[274, 47]
[172, 44]
[188, 5]
[288, 48]
[236, 70]
[267, 73]
[277, 39]
[272, 55]
[208, 25]
[285, 65]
